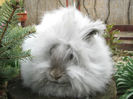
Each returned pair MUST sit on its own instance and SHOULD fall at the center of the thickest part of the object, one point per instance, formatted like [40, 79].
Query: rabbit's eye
[71, 56]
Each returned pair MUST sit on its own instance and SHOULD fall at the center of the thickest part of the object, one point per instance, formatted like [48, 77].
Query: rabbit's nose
[55, 74]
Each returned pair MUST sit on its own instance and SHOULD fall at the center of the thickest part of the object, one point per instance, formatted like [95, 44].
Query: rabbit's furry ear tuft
[90, 34]
[96, 27]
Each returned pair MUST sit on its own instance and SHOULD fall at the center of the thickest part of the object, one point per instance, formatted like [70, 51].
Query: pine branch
[11, 38]
[5, 50]
[15, 57]
[15, 40]
[19, 38]
[7, 23]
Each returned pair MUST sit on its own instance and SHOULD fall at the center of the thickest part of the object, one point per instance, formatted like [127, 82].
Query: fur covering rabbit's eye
[70, 56]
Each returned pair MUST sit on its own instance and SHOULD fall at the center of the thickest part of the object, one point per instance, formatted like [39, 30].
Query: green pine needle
[11, 39]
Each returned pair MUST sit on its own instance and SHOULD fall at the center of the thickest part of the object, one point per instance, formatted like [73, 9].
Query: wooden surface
[124, 28]
[117, 12]
[111, 11]
[18, 91]
[126, 36]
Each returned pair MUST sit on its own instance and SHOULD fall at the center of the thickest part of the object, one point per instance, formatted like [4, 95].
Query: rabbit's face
[70, 56]
[62, 56]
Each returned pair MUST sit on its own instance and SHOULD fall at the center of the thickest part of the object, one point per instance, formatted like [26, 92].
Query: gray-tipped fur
[67, 59]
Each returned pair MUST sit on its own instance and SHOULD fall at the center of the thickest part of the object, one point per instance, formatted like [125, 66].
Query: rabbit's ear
[96, 27]
[90, 34]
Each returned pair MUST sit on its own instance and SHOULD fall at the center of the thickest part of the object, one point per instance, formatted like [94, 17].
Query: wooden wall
[111, 11]
[1, 2]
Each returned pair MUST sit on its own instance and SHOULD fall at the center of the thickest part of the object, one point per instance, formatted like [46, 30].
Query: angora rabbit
[69, 56]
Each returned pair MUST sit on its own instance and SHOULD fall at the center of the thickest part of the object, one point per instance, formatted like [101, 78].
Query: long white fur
[68, 26]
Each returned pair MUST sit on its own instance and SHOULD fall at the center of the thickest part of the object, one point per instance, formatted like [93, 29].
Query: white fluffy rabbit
[69, 55]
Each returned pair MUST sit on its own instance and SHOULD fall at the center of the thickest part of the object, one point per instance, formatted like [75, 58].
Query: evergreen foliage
[11, 38]
[124, 78]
